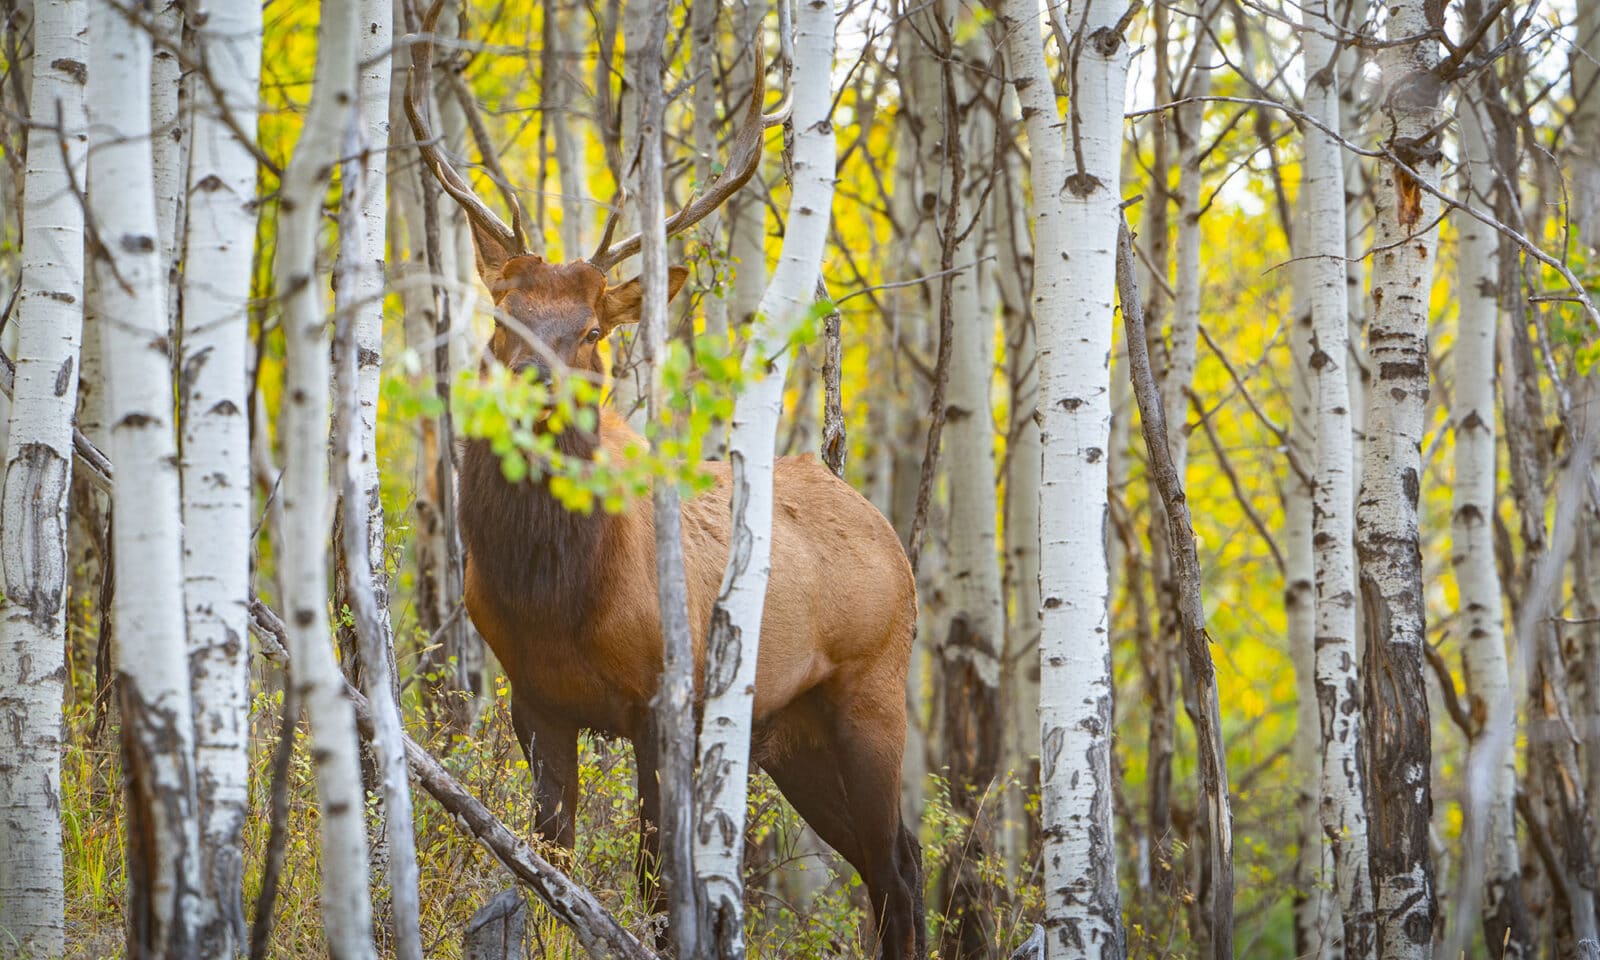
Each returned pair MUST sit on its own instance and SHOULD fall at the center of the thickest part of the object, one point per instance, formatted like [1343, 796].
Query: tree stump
[498, 931]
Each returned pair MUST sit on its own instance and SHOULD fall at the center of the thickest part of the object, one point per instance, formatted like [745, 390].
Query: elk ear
[491, 255]
[621, 304]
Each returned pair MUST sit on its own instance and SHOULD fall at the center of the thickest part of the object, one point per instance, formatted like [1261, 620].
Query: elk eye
[592, 336]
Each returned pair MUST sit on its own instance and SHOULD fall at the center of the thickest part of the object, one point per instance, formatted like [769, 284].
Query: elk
[567, 601]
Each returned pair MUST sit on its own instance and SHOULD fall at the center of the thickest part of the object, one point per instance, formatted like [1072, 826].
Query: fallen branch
[597, 930]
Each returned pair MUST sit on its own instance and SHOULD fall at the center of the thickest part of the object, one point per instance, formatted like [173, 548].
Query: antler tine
[417, 111]
[744, 157]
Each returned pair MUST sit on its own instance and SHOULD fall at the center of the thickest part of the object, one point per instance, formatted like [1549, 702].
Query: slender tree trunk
[969, 651]
[717, 301]
[1388, 542]
[1020, 676]
[1075, 221]
[169, 145]
[628, 388]
[1199, 672]
[216, 452]
[152, 662]
[1584, 160]
[358, 304]
[1343, 806]
[357, 351]
[1490, 855]
[1316, 912]
[736, 618]
[33, 520]
[672, 709]
[563, 91]
[303, 425]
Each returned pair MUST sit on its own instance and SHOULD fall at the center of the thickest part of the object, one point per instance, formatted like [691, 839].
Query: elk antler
[744, 156]
[417, 110]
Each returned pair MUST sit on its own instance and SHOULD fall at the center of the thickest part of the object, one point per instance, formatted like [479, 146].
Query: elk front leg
[551, 746]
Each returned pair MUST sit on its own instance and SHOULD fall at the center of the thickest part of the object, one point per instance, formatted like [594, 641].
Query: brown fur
[568, 603]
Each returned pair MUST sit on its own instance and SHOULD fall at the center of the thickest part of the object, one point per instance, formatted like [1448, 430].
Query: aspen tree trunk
[303, 424]
[169, 144]
[1176, 383]
[1490, 855]
[408, 246]
[358, 345]
[358, 288]
[563, 90]
[370, 279]
[1316, 913]
[1075, 221]
[33, 519]
[735, 634]
[672, 708]
[717, 301]
[1355, 100]
[1020, 679]
[969, 663]
[1585, 160]
[1395, 705]
[1343, 804]
[746, 219]
[152, 662]
[216, 452]
[628, 393]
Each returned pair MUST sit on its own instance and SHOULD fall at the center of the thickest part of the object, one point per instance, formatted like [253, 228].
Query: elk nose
[540, 368]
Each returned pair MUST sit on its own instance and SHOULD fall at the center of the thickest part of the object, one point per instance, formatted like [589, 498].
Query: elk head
[551, 317]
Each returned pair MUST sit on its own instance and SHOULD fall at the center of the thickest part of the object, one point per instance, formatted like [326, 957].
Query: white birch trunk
[735, 637]
[1182, 346]
[717, 301]
[1316, 916]
[371, 275]
[169, 144]
[1490, 855]
[358, 345]
[1354, 98]
[1397, 736]
[303, 425]
[152, 660]
[1075, 213]
[1343, 809]
[33, 520]
[216, 452]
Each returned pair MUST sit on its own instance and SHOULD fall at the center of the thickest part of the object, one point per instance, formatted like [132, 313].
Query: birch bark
[152, 662]
[1490, 850]
[169, 145]
[303, 424]
[1316, 913]
[735, 633]
[1395, 705]
[1343, 807]
[33, 520]
[216, 451]
[1075, 221]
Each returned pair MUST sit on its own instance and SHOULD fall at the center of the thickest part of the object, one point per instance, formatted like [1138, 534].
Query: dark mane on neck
[538, 559]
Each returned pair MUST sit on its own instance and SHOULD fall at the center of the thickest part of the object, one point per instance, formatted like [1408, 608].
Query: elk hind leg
[847, 787]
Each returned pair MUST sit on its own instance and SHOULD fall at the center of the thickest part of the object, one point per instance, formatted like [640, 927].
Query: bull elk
[567, 601]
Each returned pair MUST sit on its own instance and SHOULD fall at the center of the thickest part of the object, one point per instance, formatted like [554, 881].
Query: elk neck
[540, 561]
